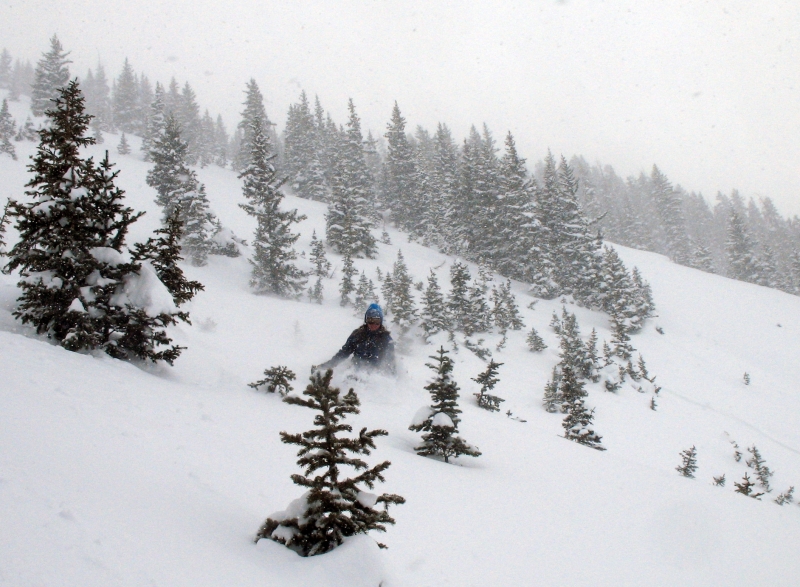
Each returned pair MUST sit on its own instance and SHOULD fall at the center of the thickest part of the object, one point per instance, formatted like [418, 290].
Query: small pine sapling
[535, 342]
[318, 259]
[688, 462]
[555, 323]
[123, 148]
[440, 427]
[487, 380]
[737, 455]
[334, 507]
[478, 349]
[758, 464]
[315, 292]
[276, 379]
[346, 286]
[4, 219]
[746, 378]
[746, 487]
[653, 404]
[719, 481]
[785, 497]
[591, 360]
[365, 294]
[578, 422]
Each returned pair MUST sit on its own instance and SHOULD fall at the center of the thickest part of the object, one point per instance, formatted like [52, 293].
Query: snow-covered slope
[115, 474]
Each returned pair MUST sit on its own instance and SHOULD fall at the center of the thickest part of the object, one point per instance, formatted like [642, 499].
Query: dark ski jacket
[372, 349]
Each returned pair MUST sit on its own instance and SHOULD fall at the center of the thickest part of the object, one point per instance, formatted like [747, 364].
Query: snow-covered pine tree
[573, 351]
[740, 250]
[458, 302]
[276, 379]
[301, 152]
[645, 307]
[7, 128]
[578, 422]
[436, 225]
[404, 308]
[619, 296]
[123, 148]
[387, 292]
[274, 271]
[505, 310]
[552, 396]
[347, 285]
[365, 294]
[253, 111]
[350, 211]
[79, 286]
[479, 318]
[440, 421]
[670, 210]
[688, 462]
[125, 100]
[318, 259]
[156, 121]
[535, 342]
[178, 188]
[620, 338]
[51, 75]
[334, 507]
[400, 189]
[27, 132]
[220, 143]
[434, 315]
[487, 380]
[591, 360]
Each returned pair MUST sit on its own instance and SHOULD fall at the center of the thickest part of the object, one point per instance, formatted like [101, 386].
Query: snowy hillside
[116, 474]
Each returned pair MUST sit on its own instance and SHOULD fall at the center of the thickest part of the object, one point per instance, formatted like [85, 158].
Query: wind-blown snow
[116, 474]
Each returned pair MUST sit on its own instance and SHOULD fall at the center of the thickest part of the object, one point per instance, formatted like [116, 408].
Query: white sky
[710, 91]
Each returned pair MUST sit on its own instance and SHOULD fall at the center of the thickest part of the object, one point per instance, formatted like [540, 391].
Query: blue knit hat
[374, 311]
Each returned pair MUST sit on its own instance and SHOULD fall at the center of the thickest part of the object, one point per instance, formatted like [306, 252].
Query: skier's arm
[346, 350]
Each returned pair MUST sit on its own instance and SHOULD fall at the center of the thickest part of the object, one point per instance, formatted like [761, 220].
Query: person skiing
[370, 344]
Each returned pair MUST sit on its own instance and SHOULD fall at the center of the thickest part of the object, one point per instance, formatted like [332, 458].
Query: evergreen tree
[156, 121]
[178, 188]
[434, 315]
[505, 311]
[399, 189]
[7, 128]
[439, 214]
[479, 318]
[785, 497]
[4, 219]
[302, 152]
[348, 221]
[458, 302]
[552, 396]
[315, 292]
[52, 74]
[365, 294]
[273, 269]
[318, 259]
[5, 69]
[188, 115]
[669, 207]
[688, 462]
[441, 424]
[578, 422]
[26, 131]
[746, 487]
[740, 250]
[253, 112]
[220, 143]
[333, 508]
[276, 379]
[78, 284]
[535, 342]
[123, 148]
[346, 286]
[758, 464]
[404, 310]
[125, 100]
[487, 380]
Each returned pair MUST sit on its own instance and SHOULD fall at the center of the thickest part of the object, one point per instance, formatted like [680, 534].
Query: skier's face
[373, 324]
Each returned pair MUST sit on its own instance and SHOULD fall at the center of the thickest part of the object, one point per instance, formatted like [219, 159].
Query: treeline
[743, 239]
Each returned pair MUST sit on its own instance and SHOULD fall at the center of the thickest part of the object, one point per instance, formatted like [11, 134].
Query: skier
[370, 344]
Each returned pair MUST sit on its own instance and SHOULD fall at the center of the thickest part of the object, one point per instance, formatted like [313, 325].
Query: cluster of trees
[688, 467]
[81, 285]
[747, 240]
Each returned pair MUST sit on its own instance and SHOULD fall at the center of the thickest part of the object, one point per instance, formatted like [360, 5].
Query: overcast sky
[709, 91]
